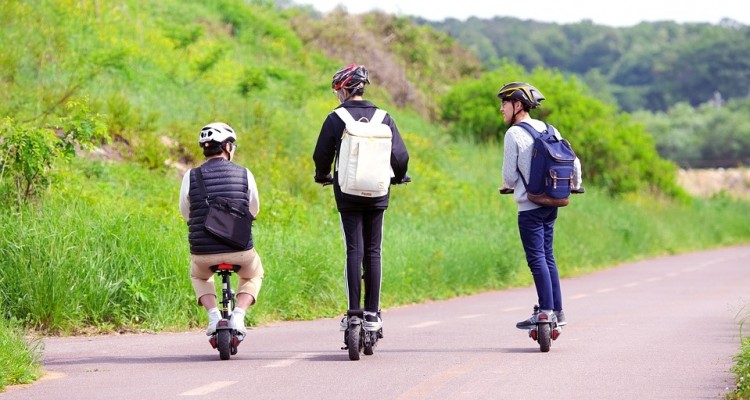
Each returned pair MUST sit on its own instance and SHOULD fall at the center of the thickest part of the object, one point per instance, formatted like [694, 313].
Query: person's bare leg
[244, 301]
[208, 301]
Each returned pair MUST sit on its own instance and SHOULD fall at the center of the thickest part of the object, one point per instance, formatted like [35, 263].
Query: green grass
[19, 356]
[742, 372]
[108, 249]
[741, 368]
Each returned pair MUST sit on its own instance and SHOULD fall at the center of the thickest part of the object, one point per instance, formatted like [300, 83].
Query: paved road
[657, 329]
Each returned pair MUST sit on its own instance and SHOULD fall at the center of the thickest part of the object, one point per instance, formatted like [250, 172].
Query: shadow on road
[132, 360]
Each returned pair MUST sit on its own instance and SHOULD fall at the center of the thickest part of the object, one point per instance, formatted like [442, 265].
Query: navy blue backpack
[552, 170]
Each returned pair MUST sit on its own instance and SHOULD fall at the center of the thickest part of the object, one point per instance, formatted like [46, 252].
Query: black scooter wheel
[369, 338]
[353, 342]
[544, 336]
[224, 343]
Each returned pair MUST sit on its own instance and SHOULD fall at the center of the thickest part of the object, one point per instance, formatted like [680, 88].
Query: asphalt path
[664, 328]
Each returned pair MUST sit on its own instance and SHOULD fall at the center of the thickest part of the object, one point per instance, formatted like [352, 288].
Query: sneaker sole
[373, 327]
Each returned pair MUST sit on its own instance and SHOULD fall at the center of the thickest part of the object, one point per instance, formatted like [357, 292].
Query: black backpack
[552, 168]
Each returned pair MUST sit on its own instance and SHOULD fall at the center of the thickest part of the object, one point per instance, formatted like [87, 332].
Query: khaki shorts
[250, 273]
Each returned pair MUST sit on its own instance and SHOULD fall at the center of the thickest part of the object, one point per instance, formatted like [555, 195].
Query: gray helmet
[530, 96]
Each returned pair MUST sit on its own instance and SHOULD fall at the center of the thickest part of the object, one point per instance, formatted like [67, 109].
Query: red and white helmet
[351, 77]
[217, 132]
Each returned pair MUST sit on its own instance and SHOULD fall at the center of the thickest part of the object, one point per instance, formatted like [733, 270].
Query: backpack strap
[379, 116]
[346, 116]
[534, 134]
[201, 184]
[551, 131]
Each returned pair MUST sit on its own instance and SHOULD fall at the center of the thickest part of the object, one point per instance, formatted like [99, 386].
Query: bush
[616, 152]
[29, 152]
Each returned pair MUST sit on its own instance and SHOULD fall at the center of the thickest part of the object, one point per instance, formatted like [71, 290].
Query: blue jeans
[537, 230]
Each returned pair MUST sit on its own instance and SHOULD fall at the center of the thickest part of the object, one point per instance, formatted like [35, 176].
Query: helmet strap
[229, 151]
[515, 113]
[344, 95]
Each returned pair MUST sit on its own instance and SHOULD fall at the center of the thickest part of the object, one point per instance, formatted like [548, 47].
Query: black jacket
[329, 143]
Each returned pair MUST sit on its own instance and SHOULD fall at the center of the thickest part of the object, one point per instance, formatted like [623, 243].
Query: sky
[613, 13]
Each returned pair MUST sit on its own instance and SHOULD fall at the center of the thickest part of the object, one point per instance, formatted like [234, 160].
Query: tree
[28, 153]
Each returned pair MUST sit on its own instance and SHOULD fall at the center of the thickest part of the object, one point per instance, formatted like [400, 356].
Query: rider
[220, 175]
[535, 223]
[361, 217]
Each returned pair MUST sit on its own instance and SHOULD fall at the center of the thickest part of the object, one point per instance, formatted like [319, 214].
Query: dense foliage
[618, 153]
[652, 65]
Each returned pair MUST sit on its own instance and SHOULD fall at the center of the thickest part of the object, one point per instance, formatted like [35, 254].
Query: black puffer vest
[222, 178]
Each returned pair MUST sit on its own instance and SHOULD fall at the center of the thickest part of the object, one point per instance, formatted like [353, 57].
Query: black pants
[363, 236]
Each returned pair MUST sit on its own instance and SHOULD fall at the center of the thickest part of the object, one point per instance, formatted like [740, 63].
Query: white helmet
[216, 131]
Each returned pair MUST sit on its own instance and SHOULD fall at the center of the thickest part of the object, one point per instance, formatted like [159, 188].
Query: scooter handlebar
[505, 190]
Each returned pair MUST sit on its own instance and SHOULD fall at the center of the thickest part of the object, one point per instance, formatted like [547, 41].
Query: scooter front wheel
[369, 338]
[224, 339]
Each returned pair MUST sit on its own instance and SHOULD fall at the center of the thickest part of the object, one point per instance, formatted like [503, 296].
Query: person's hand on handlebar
[324, 180]
[406, 179]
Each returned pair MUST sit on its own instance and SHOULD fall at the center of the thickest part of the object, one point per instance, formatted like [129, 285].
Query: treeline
[710, 135]
[651, 66]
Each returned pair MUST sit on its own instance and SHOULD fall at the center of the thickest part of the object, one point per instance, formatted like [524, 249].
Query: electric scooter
[546, 329]
[357, 338]
[226, 339]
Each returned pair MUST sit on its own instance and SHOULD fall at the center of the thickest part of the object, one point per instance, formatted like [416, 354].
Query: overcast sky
[612, 13]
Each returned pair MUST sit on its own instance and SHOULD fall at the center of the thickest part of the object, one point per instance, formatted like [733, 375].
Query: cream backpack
[364, 163]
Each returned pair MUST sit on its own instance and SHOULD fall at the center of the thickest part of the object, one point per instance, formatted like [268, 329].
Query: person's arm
[577, 174]
[325, 148]
[399, 154]
[184, 196]
[252, 191]
[510, 161]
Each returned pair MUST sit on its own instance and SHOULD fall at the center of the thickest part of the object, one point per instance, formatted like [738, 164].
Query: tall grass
[19, 356]
[108, 248]
[742, 360]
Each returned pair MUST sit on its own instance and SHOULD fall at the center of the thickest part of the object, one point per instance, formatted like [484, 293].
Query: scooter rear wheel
[354, 342]
[544, 337]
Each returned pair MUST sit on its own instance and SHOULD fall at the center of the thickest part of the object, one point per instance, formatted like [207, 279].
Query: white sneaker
[238, 321]
[344, 324]
[214, 316]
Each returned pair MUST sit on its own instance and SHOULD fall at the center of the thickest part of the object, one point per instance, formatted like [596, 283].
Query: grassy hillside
[101, 246]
